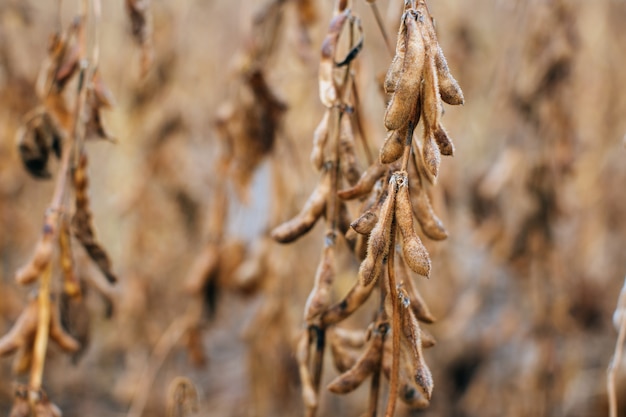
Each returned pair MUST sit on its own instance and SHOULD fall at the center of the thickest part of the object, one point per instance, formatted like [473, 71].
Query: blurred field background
[524, 288]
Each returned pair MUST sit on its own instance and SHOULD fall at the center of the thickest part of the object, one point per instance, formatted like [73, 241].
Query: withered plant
[393, 191]
[72, 96]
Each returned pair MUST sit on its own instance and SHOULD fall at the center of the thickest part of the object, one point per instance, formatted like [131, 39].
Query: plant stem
[43, 329]
[407, 146]
[381, 26]
[617, 356]
[395, 333]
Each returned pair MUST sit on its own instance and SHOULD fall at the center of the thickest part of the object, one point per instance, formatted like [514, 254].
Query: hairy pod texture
[378, 243]
[415, 254]
[401, 108]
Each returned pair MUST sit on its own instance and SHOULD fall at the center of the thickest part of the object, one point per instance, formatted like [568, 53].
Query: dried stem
[43, 329]
[407, 146]
[617, 355]
[168, 340]
[359, 123]
[97, 13]
[395, 332]
[381, 26]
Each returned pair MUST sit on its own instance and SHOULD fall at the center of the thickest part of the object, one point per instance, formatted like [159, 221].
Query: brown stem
[319, 338]
[359, 123]
[164, 345]
[381, 326]
[97, 13]
[381, 26]
[43, 329]
[617, 356]
[395, 332]
[407, 146]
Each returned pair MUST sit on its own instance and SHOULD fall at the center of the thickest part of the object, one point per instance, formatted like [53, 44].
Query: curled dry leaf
[313, 209]
[141, 28]
[37, 138]
[248, 126]
[62, 63]
[98, 97]
[75, 317]
[82, 222]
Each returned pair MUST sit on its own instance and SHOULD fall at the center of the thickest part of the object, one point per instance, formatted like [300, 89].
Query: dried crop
[412, 81]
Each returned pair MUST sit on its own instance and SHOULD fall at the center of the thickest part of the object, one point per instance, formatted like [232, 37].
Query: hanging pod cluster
[371, 209]
[72, 95]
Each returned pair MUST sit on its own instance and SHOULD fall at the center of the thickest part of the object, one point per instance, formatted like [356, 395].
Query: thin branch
[381, 26]
[43, 330]
[620, 313]
[166, 343]
[395, 332]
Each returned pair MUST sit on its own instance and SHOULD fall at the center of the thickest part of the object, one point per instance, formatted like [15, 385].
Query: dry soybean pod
[327, 88]
[344, 355]
[313, 209]
[415, 254]
[355, 298]
[378, 243]
[365, 184]
[419, 307]
[354, 338]
[367, 363]
[402, 106]
[43, 252]
[395, 69]
[393, 147]
[347, 153]
[412, 342]
[309, 396]
[319, 298]
[449, 89]
[365, 223]
[320, 137]
[429, 222]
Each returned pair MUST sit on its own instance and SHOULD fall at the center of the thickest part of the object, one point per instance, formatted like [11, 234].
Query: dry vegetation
[251, 208]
